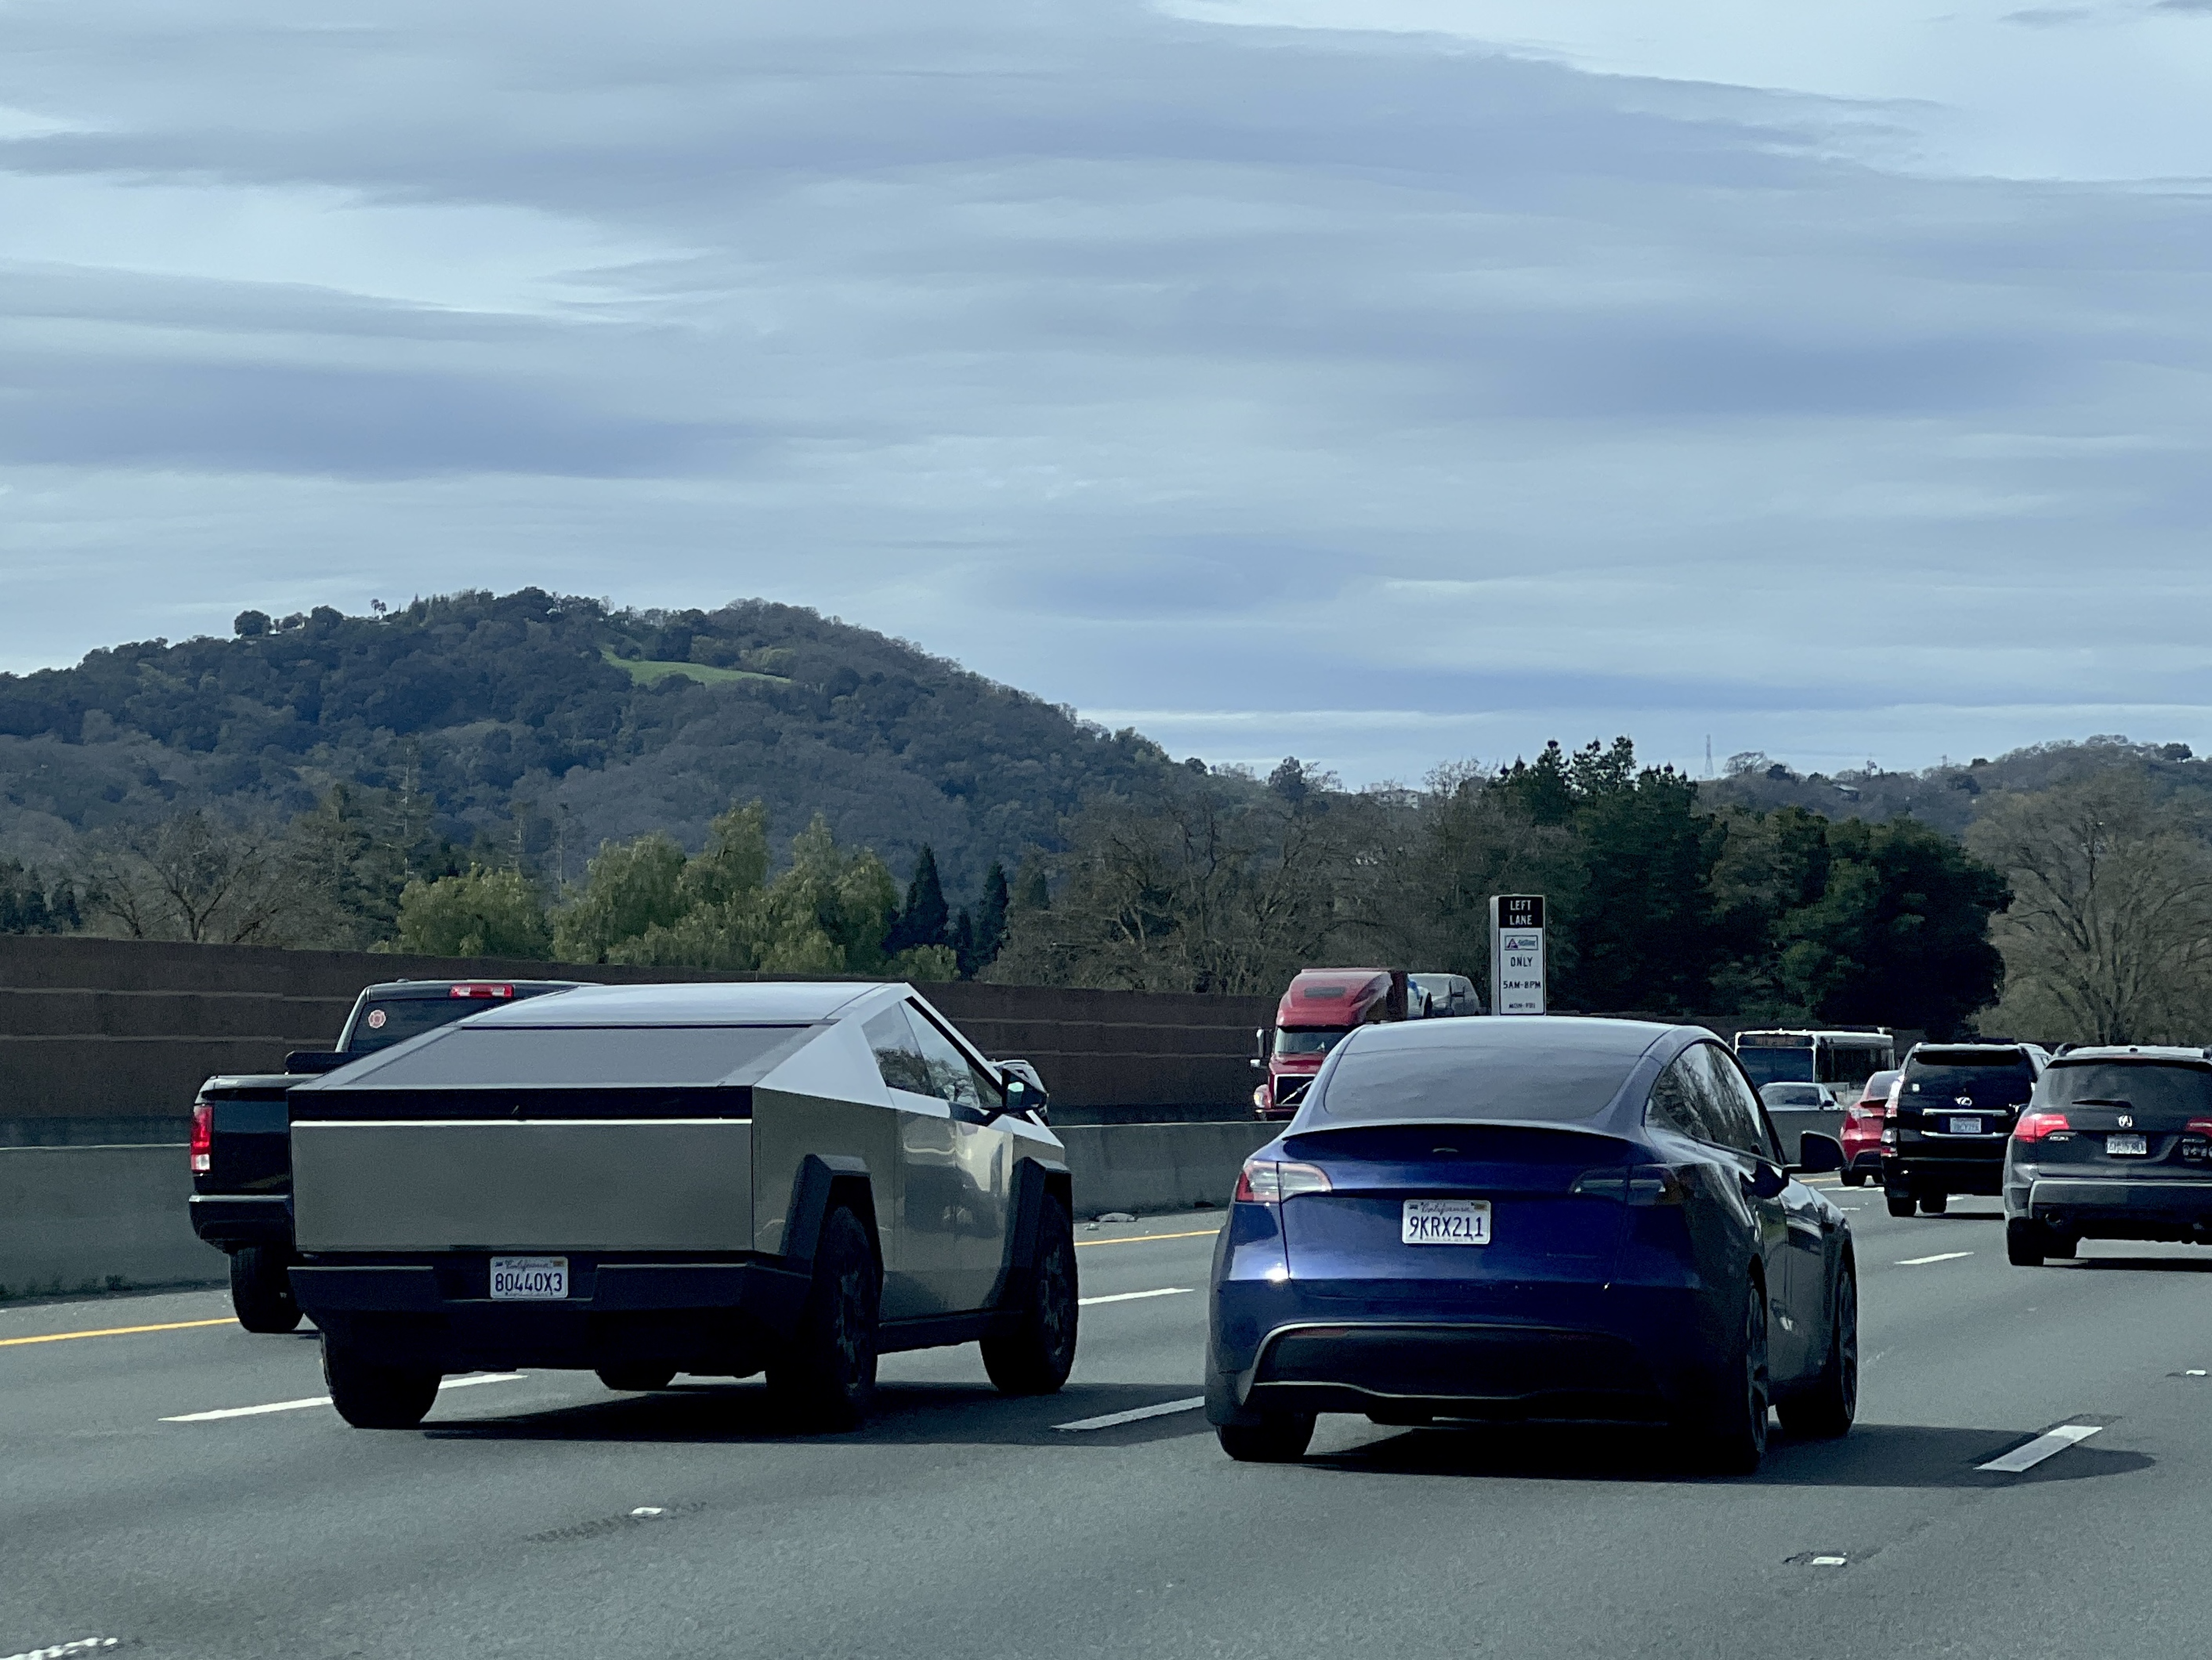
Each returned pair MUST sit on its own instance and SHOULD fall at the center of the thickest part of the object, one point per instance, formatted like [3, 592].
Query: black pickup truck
[242, 1198]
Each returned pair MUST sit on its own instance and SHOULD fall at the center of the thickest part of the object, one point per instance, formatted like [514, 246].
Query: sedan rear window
[1553, 1081]
[582, 1058]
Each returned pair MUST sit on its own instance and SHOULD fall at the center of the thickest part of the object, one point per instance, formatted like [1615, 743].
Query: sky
[1385, 382]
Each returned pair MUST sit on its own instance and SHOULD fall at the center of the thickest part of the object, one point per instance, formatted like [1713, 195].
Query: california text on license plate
[529, 1278]
[1965, 1126]
[1445, 1221]
[2136, 1145]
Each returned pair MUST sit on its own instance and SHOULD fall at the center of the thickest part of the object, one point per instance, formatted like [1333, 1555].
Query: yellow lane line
[116, 1332]
[1140, 1238]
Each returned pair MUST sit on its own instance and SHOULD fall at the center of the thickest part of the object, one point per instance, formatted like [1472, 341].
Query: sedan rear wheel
[1825, 1410]
[1735, 1436]
[1280, 1438]
[1854, 1179]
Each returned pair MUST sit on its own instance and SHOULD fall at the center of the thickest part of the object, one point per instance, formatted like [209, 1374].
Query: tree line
[2080, 912]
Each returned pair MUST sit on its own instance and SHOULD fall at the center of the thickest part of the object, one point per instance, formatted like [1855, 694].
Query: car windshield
[1302, 1040]
[1952, 1078]
[2152, 1087]
[1555, 1080]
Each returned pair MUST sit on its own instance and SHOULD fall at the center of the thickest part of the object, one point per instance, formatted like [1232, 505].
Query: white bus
[1845, 1059]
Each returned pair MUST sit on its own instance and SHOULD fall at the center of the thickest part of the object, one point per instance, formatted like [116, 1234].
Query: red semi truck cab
[1322, 1005]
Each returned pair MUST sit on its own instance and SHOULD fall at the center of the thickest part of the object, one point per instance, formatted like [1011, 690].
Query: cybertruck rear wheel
[1035, 1356]
[370, 1396]
[638, 1381]
[261, 1289]
[826, 1375]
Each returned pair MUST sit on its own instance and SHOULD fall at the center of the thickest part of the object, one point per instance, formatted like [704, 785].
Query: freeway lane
[959, 1523]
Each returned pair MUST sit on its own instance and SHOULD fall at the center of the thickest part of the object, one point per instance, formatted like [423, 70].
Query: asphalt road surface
[543, 1516]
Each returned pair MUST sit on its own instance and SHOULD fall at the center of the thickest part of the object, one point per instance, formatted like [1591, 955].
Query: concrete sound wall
[105, 1040]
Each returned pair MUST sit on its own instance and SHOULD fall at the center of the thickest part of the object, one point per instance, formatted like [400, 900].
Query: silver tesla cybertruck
[714, 1179]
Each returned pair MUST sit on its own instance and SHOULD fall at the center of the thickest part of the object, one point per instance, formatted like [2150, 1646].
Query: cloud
[1144, 361]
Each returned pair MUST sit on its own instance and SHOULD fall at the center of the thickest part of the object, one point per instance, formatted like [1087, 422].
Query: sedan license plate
[1445, 1221]
[2127, 1146]
[529, 1278]
[1965, 1126]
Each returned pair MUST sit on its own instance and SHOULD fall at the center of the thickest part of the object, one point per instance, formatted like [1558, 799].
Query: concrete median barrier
[89, 1219]
[75, 1219]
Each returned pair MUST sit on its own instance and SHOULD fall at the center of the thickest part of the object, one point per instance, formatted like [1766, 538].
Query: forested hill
[547, 723]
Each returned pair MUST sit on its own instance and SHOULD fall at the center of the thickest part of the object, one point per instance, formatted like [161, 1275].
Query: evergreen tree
[987, 929]
[926, 919]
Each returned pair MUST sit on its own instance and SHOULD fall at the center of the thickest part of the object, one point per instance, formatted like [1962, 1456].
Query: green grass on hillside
[646, 671]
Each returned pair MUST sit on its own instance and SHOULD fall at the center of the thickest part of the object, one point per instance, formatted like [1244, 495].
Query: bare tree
[2109, 937]
[191, 878]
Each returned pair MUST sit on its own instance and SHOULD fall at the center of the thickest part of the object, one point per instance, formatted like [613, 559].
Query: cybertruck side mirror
[1817, 1153]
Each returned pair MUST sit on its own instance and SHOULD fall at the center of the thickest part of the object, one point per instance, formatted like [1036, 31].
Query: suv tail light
[1264, 1181]
[2197, 1141]
[2034, 1126]
[482, 991]
[203, 1138]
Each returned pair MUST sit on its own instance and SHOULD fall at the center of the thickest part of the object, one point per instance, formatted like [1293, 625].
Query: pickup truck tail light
[478, 989]
[2034, 1126]
[1263, 1181]
[203, 1138]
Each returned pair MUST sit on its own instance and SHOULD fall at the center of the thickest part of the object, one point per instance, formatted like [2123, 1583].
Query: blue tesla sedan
[1529, 1219]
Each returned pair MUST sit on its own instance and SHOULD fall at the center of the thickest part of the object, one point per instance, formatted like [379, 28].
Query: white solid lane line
[1135, 1296]
[1940, 1256]
[1136, 1415]
[2042, 1447]
[324, 1400]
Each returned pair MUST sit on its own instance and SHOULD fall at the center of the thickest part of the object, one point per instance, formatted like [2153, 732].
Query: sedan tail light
[2034, 1126]
[1265, 1181]
[1637, 1184]
[203, 1138]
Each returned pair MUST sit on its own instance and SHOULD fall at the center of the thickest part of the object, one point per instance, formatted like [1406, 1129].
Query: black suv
[242, 1198]
[1948, 1124]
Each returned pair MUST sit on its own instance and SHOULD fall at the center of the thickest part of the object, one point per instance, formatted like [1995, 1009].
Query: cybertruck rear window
[1558, 1085]
[584, 1058]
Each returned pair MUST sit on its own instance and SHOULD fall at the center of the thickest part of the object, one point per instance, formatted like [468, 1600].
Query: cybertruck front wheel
[1034, 1357]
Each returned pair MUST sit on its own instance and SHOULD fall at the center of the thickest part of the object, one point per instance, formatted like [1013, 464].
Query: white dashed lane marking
[1940, 1256]
[2047, 1445]
[1136, 1296]
[324, 1400]
[1136, 1415]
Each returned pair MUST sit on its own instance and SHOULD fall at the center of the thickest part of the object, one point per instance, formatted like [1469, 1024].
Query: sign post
[1517, 954]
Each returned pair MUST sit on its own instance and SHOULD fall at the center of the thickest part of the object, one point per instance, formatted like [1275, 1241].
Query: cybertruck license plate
[529, 1278]
[1445, 1221]
[1965, 1126]
[2117, 1145]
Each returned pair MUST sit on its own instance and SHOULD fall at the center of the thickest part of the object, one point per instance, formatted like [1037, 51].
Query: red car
[1862, 1121]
